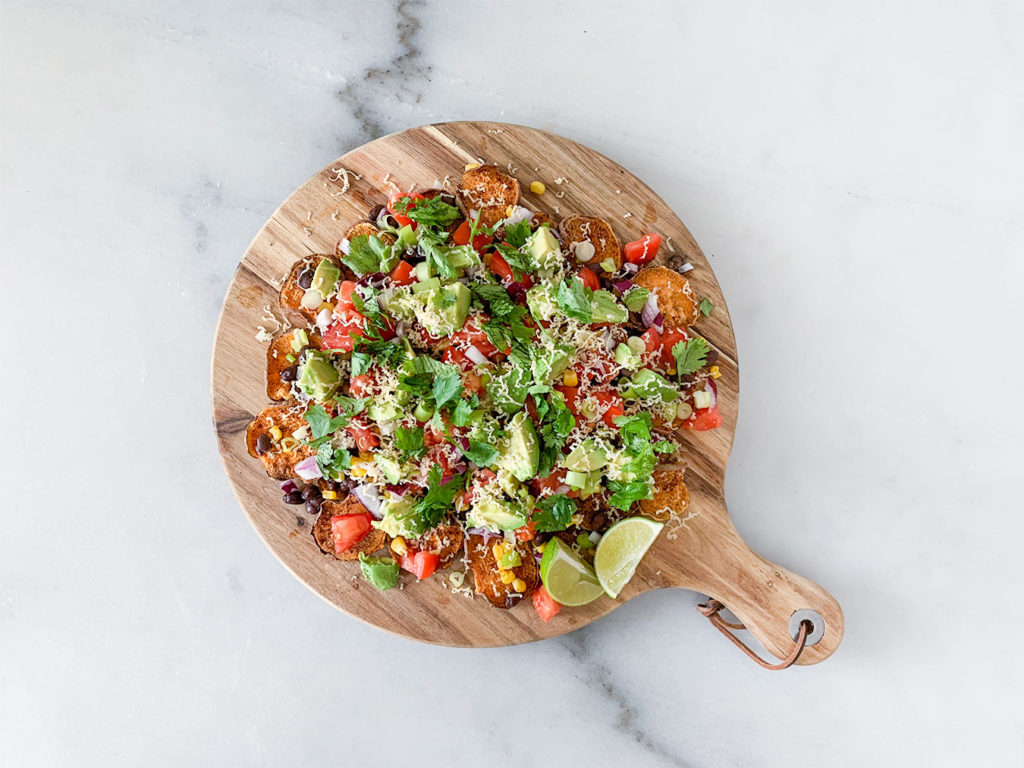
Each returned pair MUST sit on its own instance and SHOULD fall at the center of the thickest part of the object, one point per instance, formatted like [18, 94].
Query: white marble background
[855, 172]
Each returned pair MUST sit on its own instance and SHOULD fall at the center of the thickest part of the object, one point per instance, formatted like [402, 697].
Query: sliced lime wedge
[568, 578]
[620, 551]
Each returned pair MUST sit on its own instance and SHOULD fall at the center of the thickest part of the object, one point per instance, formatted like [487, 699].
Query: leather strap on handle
[711, 609]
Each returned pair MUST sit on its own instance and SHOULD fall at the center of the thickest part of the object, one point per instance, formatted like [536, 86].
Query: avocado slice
[325, 278]
[457, 313]
[647, 383]
[383, 411]
[426, 285]
[382, 572]
[495, 514]
[400, 519]
[544, 250]
[391, 468]
[317, 377]
[586, 457]
[521, 450]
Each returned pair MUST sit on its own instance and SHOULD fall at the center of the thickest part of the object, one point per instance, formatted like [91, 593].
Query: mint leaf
[690, 355]
[555, 513]
[572, 298]
[481, 453]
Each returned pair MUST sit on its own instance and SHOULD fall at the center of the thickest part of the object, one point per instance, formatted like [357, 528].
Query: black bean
[310, 491]
[293, 497]
[448, 197]
[712, 356]
[333, 485]
[263, 443]
[375, 211]
[305, 278]
[499, 234]
[291, 373]
[599, 521]
[313, 506]
[346, 485]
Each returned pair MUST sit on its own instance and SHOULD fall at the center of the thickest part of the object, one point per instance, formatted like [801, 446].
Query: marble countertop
[855, 173]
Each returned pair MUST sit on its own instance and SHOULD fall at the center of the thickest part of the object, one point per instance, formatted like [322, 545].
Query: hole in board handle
[817, 623]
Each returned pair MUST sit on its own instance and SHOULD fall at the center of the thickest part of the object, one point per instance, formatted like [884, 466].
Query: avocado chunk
[521, 451]
[383, 411]
[543, 249]
[626, 357]
[317, 377]
[646, 383]
[325, 278]
[549, 364]
[495, 515]
[457, 313]
[390, 466]
[586, 457]
[606, 309]
[426, 285]
[382, 572]
[400, 518]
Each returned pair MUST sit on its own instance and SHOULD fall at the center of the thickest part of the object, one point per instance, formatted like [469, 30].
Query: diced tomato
[432, 437]
[339, 334]
[500, 267]
[349, 530]
[392, 202]
[669, 339]
[572, 396]
[612, 405]
[704, 419]
[652, 340]
[485, 476]
[471, 334]
[456, 357]
[403, 274]
[527, 532]
[643, 250]
[545, 606]
[360, 385]
[419, 563]
[590, 280]
[362, 434]
[345, 291]
[472, 382]
[461, 237]
[597, 369]
[554, 481]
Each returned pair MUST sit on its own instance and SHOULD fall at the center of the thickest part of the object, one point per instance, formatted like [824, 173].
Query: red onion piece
[561, 490]
[308, 469]
[630, 267]
[476, 355]
[344, 245]
[649, 313]
[464, 442]
[370, 498]
[487, 534]
[659, 323]
[288, 486]
[623, 285]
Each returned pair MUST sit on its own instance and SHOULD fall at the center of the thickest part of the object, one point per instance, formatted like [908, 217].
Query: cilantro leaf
[462, 412]
[690, 355]
[365, 254]
[517, 234]
[624, 494]
[431, 244]
[438, 499]
[447, 385]
[572, 298]
[555, 513]
[409, 440]
[333, 461]
[480, 453]
[496, 297]
[706, 307]
[431, 212]
[361, 362]
[321, 425]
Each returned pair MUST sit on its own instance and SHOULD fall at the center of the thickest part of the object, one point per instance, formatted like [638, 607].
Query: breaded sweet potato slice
[596, 231]
[292, 290]
[373, 541]
[277, 361]
[287, 416]
[489, 191]
[366, 228]
[670, 495]
[445, 541]
[486, 576]
[675, 296]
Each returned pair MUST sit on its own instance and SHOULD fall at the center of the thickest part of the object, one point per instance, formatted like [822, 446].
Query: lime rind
[568, 578]
[620, 551]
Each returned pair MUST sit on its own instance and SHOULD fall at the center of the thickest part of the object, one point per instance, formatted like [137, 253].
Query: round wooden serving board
[700, 551]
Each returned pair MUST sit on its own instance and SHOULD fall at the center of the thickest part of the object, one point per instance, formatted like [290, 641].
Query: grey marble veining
[853, 172]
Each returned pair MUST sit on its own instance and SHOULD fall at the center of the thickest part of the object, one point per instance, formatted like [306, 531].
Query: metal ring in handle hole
[817, 625]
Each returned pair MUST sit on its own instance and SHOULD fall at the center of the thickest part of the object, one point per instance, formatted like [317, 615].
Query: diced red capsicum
[590, 280]
[349, 530]
[419, 563]
[643, 250]
[545, 606]
[403, 274]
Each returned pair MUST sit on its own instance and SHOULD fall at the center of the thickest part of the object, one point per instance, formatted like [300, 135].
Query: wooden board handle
[764, 596]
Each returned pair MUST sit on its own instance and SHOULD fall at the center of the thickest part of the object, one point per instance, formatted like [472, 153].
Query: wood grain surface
[700, 550]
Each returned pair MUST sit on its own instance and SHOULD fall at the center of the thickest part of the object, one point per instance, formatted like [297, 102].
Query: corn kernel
[329, 495]
[471, 166]
[537, 187]
[570, 379]
[498, 549]
[540, 547]
[398, 546]
[672, 371]
[507, 577]
[509, 210]
[519, 585]
[327, 306]
[357, 468]
[715, 372]
[275, 433]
